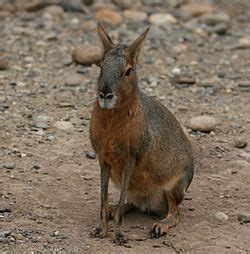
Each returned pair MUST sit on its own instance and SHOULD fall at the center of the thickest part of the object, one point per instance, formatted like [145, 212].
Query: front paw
[120, 239]
[99, 232]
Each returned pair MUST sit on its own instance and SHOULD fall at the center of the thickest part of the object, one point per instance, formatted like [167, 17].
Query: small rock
[3, 240]
[57, 233]
[221, 216]
[195, 9]
[91, 155]
[87, 54]
[73, 80]
[202, 123]
[244, 43]
[4, 65]
[156, 245]
[36, 167]
[5, 233]
[55, 10]
[162, 19]
[4, 206]
[109, 16]
[220, 28]
[240, 143]
[51, 35]
[244, 217]
[214, 19]
[245, 156]
[67, 60]
[65, 104]
[134, 16]
[17, 237]
[40, 125]
[63, 125]
[9, 165]
[52, 234]
[184, 79]
[44, 118]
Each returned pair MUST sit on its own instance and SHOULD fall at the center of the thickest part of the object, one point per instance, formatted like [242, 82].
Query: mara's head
[118, 80]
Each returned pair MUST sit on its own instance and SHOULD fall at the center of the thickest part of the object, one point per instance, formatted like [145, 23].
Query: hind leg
[172, 218]
[127, 208]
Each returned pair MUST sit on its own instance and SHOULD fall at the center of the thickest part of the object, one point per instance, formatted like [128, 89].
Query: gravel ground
[195, 61]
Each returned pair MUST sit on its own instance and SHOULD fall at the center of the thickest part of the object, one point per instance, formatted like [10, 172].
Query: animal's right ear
[106, 41]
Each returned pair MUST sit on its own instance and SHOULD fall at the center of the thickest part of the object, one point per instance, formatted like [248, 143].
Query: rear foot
[161, 228]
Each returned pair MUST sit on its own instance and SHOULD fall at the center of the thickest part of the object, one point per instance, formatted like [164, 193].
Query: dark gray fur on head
[113, 67]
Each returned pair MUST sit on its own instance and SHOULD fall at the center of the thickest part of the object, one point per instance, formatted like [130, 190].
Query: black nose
[108, 96]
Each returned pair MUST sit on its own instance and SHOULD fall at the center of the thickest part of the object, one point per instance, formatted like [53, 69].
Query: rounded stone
[4, 206]
[134, 16]
[202, 123]
[87, 54]
[4, 65]
[221, 216]
[91, 155]
[108, 16]
[63, 125]
[240, 143]
[162, 19]
[244, 217]
[9, 165]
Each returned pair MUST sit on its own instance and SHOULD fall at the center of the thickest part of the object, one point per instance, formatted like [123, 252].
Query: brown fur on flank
[140, 144]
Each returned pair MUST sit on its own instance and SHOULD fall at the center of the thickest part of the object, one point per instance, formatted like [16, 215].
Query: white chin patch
[107, 103]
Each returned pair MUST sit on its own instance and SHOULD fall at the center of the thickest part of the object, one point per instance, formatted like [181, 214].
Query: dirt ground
[45, 175]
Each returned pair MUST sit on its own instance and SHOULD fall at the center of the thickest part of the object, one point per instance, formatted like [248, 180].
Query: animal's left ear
[134, 49]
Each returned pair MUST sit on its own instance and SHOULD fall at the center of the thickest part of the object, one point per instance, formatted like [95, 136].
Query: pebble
[66, 104]
[4, 206]
[55, 10]
[162, 19]
[245, 156]
[220, 28]
[4, 233]
[184, 79]
[240, 143]
[36, 167]
[243, 43]
[91, 155]
[4, 65]
[63, 125]
[202, 123]
[87, 54]
[51, 35]
[44, 118]
[109, 16]
[195, 9]
[221, 216]
[17, 237]
[215, 18]
[3, 240]
[73, 80]
[134, 16]
[9, 165]
[244, 217]
[40, 125]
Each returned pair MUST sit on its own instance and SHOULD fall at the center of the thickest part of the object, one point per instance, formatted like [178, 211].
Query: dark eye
[128, 72]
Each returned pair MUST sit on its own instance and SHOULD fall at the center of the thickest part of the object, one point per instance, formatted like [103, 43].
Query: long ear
[106, 41]
[134, 48]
